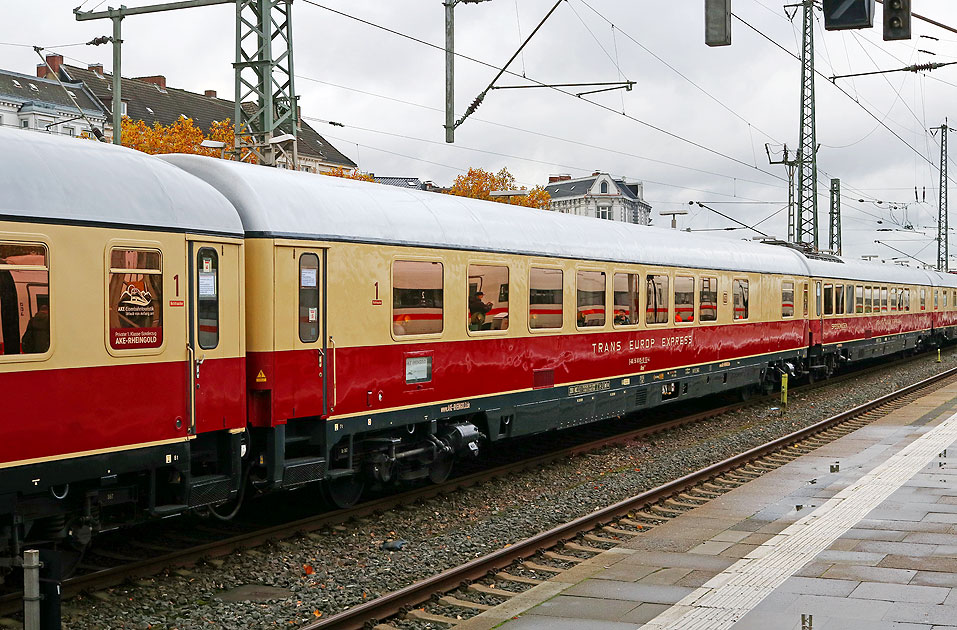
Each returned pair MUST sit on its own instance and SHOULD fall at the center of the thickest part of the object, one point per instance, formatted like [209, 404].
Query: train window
[545, 298]
[923, 299]
[488, 297]
[684, 299]
[828, 299]
[309, 298]
[859, 308]
[817, 298]
[626, 299]
[936, 299]
[24, 299]
[207, 298]
[591, 298]
[805, 300]
[907, 299]
[741, 298]
[417, 301]
[945, 299]
[656, 296]
[787, 299]
[839, 299]
[883, 299]
[136, 298]
[868, 293]
[849, 293]
[708, 306]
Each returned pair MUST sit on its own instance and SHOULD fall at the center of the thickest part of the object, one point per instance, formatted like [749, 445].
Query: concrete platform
[871, 547]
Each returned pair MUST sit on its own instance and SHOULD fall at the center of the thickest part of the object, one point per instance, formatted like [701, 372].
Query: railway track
[211, 539]
[612, 525]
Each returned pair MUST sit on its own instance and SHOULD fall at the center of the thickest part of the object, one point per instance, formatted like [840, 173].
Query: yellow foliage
[181, 136]
[341, 172]
[479, 184]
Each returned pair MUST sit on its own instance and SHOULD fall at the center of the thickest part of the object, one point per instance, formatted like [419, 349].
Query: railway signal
[848, 14]
[896, 20]
[717, 22]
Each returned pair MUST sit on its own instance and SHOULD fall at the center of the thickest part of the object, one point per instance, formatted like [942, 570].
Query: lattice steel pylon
[266, 103]
[834, 233]
[943, 227]
[807, 231]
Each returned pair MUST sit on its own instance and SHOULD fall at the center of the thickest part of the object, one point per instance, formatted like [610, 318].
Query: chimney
[96, 67]
[596, 174]
[158, 80]
[54, 61]
[561, 177]
[210, 93]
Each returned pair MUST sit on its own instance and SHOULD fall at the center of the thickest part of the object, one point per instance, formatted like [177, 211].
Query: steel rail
[393, 603]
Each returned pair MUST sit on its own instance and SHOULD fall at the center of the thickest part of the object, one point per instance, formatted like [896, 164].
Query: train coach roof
[850, 269]
[289, 204]
[51, 179]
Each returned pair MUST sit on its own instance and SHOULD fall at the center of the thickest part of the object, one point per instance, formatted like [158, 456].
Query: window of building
[839, 299]
[24, 298]
[417, 299]
[859, 308]
[135, 298]
[25, 123]
[883, 299]
[684, 299]
[656, 299]
[207, 297]
[828, 299]
[488, 297]
[626, 299]
[591, 298]
[923, 299]
[787, 299]
[545, 301]
[309, 297]
[708, 306]
[739, 288]
[16, 83]
[604, 188]
[604, 212]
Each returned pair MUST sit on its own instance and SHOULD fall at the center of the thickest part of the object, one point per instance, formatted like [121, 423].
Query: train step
[168, 510]
[297, 471]
[209, 489]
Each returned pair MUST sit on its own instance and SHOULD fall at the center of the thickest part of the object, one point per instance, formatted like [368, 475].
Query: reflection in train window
[545, 298]
[135, 299]
[591, 298]
[883, 299]
[923, 299]
[684, 299]
[417, 306]
[657, 293]
[787, 299]
[839, 299]
[859, 304]
[828, 299]
[626, 299]
[24, 299]
[708, 307]
[850, 299]
[488, 297]
[741, 298]
[207, 298]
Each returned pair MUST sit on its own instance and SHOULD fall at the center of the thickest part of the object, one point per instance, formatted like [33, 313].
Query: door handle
[199, 363]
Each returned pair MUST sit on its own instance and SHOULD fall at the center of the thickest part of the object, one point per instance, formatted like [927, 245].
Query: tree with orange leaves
[479, 184]
[182, 136]
[341, 172]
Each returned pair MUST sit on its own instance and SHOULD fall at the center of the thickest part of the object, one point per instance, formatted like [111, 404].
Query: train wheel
[344, 492]
[441, 468]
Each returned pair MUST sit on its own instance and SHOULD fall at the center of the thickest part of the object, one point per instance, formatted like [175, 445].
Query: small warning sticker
[177, 303]
[261, 377]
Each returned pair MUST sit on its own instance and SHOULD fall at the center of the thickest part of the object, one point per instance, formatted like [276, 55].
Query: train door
[216, 344]
[301, 340]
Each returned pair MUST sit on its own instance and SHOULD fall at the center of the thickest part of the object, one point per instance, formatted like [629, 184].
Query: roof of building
[278, 203]
[47, 94]
[579, 187]
[150, 103]
[56, 179]
[401, 182]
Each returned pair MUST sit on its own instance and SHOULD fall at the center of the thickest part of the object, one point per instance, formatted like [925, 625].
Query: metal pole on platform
[31, 589]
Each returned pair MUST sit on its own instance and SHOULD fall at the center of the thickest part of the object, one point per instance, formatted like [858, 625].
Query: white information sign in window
[418, 369]
[309, 277]
[207, 284]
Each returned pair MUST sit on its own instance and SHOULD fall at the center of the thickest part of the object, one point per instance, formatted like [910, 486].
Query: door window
[135, 298]
[207, 297]
[309, 298]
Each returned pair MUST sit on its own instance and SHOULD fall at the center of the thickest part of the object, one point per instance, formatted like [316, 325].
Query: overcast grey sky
[726, 103]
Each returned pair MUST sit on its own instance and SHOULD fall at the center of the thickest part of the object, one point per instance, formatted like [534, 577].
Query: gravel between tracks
[329, 571]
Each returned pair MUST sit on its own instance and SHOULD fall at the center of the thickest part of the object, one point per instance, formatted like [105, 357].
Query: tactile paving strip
[730, 595]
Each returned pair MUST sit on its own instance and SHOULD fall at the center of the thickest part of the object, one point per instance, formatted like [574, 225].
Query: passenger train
[181, 331]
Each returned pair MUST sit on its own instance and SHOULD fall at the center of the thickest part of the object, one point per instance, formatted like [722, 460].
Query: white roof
[290, 204]
[867, 271]
[47, 178]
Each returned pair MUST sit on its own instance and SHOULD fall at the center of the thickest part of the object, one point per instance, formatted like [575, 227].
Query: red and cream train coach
[121, 328]
[388, 328]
